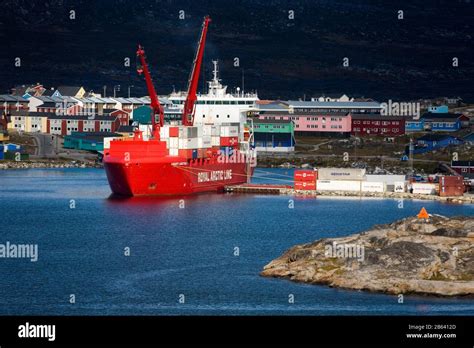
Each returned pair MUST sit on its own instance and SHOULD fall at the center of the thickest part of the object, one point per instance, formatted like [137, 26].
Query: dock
[259, 188]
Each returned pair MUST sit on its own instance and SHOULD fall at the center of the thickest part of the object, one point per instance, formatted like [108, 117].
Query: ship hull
[150, 178]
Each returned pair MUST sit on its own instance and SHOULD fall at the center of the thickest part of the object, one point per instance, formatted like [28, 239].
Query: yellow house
[30, 122]
[70, 91]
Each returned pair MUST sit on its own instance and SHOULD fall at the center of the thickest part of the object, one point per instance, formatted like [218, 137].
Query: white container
[215, 130]
[372, 186]
[215, 141]
[188, 143]
[164, 132]
[424, 188]
[107, 141]
[387, 179]
[204, 142]
[207, 130]
[173, 143]
[400, 186]
[229, 131]
[188, 132]
[341, 174]
[174, 152]
[338, 185]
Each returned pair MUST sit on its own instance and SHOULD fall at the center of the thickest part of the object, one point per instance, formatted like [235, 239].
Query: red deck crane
[189, 104]
[156, 108]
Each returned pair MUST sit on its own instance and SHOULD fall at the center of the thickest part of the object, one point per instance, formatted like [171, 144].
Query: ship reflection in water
[210, 248]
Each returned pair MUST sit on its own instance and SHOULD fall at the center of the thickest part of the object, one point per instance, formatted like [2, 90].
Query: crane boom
[156, 108]
[189, 104]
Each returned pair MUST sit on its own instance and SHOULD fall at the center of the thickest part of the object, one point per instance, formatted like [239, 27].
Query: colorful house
[415, 125]
[464, 168]
[70, 91]
[274, 135]
[431, 142]
[376, 124]
[444, 122]
[438, 109]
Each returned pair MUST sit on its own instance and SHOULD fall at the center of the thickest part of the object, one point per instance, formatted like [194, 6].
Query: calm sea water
[176, 251]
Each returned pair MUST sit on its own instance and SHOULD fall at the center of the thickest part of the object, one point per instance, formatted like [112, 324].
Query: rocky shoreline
[409, 256]
[469, 199]
[47, 164]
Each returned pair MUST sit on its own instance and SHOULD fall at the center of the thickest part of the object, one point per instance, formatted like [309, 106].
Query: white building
[218, 106]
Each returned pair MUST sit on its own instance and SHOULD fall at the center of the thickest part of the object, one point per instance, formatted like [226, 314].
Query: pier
[260, 188]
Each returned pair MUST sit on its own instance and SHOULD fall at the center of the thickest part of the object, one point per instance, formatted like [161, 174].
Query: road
[45, 144]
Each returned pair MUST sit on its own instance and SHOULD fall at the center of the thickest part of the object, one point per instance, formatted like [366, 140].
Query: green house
[274, 135]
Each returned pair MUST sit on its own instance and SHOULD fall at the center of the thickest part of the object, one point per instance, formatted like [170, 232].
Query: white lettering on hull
[215, 175]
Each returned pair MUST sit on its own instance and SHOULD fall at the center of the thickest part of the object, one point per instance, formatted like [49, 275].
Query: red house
[123, 116]
[376, 124]
[66, 124]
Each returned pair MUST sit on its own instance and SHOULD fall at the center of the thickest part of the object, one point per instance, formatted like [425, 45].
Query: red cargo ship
[139, 166]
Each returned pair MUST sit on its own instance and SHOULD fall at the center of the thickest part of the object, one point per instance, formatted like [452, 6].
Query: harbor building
[274, 135]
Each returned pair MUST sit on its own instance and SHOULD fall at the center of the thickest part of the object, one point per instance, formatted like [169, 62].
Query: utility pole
[129, 90]
[116, 88]
[105, 91]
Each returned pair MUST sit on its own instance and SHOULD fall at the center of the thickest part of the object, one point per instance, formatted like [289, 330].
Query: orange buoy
[423, 214]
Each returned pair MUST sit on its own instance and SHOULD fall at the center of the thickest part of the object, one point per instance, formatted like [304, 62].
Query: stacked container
[305, 180]
[451, 186]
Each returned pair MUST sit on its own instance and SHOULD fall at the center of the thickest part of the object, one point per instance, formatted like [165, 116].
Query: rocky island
[433, 256]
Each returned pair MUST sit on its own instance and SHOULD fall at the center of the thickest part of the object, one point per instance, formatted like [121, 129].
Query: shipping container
[188, 143]
[216, 130]
[173, 143]
[215, 141]
[305, 175]
[174, 152]
[386, 179]
[451, 180]
[186, 153]
[229, 141]
[399, 186]
[174, 132]
[338, 185]
[204, 142]
[451, 186]
[202, 153]
[341, 174]
[229, 131]
[372, 186]
[16, 156]
[424, 188]
[188, 132]
[305, 185]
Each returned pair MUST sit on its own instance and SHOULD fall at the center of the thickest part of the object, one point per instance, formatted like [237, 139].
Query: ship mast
[156, 108]
[191, 98]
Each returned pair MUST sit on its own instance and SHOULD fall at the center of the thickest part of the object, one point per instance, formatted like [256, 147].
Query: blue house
[444, 122]
[438, 109]
[415, 125]
[469, 138]
[431, 142]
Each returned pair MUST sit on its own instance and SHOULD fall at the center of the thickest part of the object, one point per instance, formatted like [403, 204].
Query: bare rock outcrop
[434, 256]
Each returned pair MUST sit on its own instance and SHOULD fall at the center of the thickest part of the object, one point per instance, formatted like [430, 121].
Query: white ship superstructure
[218, 106]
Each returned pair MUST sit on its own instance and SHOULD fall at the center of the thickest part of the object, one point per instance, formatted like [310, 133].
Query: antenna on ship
[243, 81]
[215, 71]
